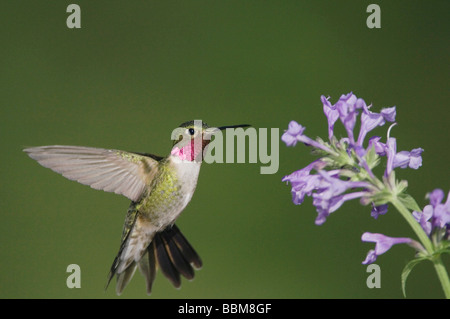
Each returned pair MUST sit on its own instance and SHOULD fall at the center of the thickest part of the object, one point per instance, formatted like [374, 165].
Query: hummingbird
[159, 189]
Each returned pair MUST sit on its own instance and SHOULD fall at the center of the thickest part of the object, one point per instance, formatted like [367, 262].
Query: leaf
[445, 244]
[444, 248]
[405, 273]
[409, 202]
[372, 158]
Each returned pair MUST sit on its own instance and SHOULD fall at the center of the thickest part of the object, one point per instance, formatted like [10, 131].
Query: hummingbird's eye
[191, 131]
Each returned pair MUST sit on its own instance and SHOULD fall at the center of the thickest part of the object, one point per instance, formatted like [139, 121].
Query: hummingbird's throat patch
[188, 152]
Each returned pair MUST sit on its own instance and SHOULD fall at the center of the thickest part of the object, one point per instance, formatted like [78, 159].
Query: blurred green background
[137, 69]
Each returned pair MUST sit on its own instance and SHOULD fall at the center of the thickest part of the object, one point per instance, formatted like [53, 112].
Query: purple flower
[291, 136]
[326, 204]
[348, 111]
[436, 197]
[346, 108]
[331, 113]
[412, 159]
[436, 214]
[302, 182]
[382, 244]
[380, 148]
[327, 190]
[391, 149]
[441, 215]
[370, 120]
[294, 134]
[378, 210]
[329, 195]
[401, 159]
[423, 218]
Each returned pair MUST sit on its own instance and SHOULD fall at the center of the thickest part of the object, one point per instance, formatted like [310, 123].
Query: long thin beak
[233, 126]
[213, 130]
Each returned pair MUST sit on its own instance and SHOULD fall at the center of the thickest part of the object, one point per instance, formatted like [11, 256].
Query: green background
[137, 69]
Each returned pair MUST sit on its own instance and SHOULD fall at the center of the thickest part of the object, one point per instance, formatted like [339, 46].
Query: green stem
[427, 244]
[442, 274]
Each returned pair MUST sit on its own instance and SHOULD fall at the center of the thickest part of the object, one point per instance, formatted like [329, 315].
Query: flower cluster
[354, 161]
[345, 171]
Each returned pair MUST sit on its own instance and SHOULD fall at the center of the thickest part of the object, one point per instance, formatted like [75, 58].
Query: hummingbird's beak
[233, 126]
[213, 130]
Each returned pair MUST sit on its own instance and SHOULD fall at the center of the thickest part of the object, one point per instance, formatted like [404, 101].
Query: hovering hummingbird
[159, 189]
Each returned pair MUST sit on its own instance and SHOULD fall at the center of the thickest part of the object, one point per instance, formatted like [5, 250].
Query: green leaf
[409, 202]
[445, 244]
[405, 273]
[372, 158]
[444, 248]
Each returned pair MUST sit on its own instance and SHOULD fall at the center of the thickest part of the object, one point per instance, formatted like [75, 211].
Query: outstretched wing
[115, 171]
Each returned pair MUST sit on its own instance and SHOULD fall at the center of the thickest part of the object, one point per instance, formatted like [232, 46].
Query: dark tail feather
[124, 278]
[184, 247]
[174, 256]
[177, 259]
[147, 266]
[165, 263]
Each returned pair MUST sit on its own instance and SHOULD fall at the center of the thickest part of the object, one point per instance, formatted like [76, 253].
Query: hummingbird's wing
[115, 171]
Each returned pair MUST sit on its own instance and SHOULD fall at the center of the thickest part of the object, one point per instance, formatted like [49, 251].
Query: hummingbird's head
[191, 139]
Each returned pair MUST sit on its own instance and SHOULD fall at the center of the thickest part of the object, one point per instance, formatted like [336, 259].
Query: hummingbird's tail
[169, 250]
[173, 254]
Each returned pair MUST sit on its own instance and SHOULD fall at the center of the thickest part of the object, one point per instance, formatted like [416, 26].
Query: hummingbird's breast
[169, 192]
